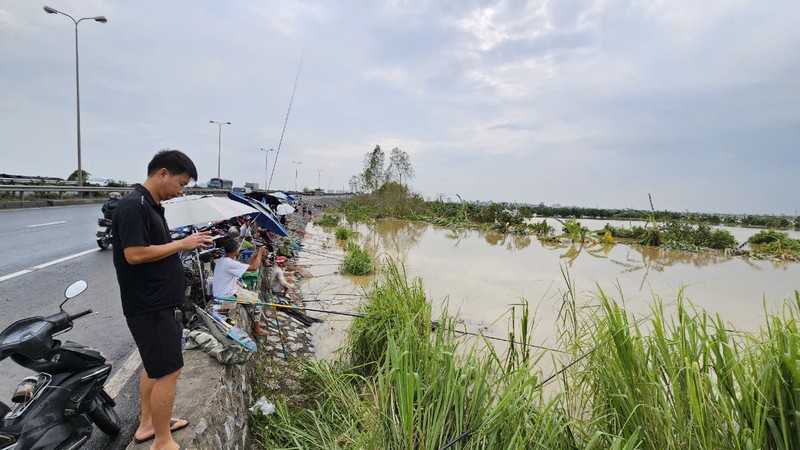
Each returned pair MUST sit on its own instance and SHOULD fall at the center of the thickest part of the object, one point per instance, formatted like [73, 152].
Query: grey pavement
[41, 291]
[23, 246]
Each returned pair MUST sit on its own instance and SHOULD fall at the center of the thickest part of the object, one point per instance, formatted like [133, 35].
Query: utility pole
[319, 178]
[266, 164]
[100, 19]
[296, 163]
[219, 143]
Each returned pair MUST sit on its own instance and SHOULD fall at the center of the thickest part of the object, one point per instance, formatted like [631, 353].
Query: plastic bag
[263, 406]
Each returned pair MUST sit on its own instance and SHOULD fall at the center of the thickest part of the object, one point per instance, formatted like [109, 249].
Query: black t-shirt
[139, 222]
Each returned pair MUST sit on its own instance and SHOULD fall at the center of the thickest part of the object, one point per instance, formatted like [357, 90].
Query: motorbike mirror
[75, 289]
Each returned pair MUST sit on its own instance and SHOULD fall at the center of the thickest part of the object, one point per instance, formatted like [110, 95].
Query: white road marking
[131, 365]
[47, 264]
[46, 224]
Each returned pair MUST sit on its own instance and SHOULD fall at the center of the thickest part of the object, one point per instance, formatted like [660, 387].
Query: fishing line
[545, 381]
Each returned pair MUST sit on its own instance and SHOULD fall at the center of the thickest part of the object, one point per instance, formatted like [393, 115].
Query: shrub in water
[327, 220]
[357, 261]
[343, 233]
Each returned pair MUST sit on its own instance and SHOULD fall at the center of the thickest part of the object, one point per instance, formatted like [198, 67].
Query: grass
[678, 378]
[357, 261]
[328, 219]
[343, 233]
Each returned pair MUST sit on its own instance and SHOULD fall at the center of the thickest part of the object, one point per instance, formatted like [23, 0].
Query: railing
[23, 189]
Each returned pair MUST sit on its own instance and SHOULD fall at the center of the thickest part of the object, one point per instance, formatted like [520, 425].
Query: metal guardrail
[22, 189]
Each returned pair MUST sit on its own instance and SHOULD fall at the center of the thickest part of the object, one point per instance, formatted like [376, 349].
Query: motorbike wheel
[103, 243]
[103, 414]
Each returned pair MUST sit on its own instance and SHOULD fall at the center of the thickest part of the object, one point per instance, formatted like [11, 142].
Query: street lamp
[100, 19]
[219, 143]
[329, 183]
[296, 163]
[266, 164]
[319, 178]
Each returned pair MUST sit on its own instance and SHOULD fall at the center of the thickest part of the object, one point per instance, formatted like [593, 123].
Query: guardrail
[24, 189]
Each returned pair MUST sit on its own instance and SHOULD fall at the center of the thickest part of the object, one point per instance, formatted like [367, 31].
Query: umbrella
[289, 196]
[279, 195]
[262, 216]
[197, 209]
[284, 209]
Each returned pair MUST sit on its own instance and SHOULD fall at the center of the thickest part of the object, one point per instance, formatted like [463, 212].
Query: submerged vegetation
[772, 244]
[357, 261]
[343, 233]
[677, 378]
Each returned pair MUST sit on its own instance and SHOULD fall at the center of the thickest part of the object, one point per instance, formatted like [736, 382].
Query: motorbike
[103, 233]
[55, 409]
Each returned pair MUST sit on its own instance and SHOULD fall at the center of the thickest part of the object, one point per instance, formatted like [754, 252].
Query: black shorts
[158, 336]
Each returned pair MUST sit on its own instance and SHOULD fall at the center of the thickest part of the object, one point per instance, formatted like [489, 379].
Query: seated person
[281, 283]
[110, 205]
[226, 273]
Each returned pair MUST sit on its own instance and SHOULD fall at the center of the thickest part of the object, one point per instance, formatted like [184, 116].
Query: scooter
[103, 233]
[56, 408]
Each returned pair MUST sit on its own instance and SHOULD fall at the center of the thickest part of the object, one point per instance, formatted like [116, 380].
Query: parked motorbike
[103, 233]
[56, 408]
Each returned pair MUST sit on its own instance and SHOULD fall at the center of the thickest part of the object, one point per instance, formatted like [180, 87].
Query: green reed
[676, 378]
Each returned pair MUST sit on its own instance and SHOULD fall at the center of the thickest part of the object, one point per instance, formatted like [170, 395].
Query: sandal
[172, 428]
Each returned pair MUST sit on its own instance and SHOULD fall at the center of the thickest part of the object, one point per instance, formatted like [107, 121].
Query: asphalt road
[62, 232]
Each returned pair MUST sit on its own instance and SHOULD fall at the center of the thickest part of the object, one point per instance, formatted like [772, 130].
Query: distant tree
[399, 166]
[74, 175]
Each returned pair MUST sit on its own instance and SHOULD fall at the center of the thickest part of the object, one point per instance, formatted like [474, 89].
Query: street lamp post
[100, 19]
[329, 183]
[266, 164]
[296, 163]
[319, 178]
[219, 144]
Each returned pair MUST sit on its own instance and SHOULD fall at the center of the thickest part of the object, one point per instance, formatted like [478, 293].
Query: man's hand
[196, 240]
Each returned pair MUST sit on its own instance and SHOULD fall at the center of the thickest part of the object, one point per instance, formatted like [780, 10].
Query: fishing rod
[363, 316]
[285, 121]
[295, 307]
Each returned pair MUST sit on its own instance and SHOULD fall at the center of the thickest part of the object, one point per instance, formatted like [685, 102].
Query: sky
[571, 102]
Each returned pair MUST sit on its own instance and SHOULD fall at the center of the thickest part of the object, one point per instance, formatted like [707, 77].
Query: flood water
[481, 274]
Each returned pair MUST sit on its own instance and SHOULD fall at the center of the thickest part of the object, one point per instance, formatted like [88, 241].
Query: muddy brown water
[479, 275]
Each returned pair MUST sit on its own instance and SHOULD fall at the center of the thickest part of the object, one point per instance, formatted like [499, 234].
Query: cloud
[568, 101]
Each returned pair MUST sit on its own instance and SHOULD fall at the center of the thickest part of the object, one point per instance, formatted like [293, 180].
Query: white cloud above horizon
[591, 103]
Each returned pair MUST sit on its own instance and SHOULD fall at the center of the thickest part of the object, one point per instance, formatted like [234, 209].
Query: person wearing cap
[226, 273]
[279, 281]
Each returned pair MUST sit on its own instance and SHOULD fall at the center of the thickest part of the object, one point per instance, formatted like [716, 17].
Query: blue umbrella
[263, 217]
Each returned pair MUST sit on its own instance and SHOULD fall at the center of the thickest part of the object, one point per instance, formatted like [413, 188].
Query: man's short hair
[228, 245]
[175, 161]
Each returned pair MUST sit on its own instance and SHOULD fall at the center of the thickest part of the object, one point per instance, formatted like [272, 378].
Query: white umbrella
[197, 209]
[279, 195]
[284, 209]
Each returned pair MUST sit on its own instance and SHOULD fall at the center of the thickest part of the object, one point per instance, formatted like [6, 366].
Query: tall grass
[676, 379]
[343, 233]
[328, 219]
[357, 261]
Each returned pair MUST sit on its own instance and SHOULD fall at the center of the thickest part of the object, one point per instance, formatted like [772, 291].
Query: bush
[328, 220]
[768, 236]
[357, 261]
[343, 233]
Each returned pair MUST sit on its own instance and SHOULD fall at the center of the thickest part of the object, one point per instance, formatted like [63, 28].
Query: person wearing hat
[279, 281]
[226, 273]
[110, 205]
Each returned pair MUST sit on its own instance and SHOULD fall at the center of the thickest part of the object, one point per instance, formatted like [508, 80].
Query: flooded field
[479, 275]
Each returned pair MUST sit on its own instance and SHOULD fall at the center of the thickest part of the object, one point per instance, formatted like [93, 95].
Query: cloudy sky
[592, 103]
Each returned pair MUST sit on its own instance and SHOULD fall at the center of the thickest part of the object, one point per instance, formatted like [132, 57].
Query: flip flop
[172, 428]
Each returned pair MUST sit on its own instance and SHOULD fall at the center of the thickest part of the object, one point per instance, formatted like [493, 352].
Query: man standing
[151, 285]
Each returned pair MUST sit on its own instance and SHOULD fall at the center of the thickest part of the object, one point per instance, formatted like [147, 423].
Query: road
[34, 237]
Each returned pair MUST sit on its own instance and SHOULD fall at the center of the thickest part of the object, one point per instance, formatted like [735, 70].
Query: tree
[373, 169]
[399, 166]
[74, 175]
